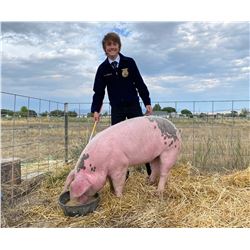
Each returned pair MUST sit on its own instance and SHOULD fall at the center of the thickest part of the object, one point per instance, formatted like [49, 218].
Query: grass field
[210, 144]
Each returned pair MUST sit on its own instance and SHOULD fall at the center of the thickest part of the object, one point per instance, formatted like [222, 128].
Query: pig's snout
[81, 199]
[79, 187]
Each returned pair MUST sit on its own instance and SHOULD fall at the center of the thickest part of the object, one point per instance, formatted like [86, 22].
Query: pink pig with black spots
[109, 154]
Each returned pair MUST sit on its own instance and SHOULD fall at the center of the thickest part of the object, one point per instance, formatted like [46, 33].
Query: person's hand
[149, 110]
[96, 117]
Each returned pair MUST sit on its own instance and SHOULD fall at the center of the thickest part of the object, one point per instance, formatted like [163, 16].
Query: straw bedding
[190, 199]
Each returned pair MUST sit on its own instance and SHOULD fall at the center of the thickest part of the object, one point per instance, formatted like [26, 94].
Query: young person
[120, 75]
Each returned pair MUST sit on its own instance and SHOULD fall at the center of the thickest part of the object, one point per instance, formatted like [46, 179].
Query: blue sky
[179, 61]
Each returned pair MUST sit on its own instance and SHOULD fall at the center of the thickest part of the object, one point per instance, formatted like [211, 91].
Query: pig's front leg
[118, 180]
[112, 190]
[118, 172]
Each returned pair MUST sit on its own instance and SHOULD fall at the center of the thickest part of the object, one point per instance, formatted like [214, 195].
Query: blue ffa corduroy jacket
[123, 84]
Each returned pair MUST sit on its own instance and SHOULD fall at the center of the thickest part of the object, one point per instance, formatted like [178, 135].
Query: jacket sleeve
[141, 86]
[99, 92]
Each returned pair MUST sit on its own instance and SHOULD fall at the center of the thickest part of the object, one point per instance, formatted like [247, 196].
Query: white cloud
[244, 61]
[203, 85]
[178, 60]
[52, 54]
[245, 69]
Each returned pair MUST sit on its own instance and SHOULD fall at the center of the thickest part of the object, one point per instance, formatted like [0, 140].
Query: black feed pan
[78, 209]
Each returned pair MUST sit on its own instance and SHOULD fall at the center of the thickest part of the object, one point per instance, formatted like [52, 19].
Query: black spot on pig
[81, 165]
[166, 127]
[93, 169]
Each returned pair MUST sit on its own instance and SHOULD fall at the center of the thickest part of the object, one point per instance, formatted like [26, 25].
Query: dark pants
[119, 114]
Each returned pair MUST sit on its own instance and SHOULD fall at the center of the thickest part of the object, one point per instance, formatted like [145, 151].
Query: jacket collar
[116, 60]
[122, 58]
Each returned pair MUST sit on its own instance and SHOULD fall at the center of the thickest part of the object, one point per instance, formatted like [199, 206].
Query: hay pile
[190, 199]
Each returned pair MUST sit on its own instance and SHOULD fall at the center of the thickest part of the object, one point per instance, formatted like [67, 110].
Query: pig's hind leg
[167, 160]
[155, 170]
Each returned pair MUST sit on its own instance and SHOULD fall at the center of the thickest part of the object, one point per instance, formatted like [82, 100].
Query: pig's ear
[69, 179]
[79, 187]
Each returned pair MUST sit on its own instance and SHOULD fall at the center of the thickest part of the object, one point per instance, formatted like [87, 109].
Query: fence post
[194, 158]
[66, 143]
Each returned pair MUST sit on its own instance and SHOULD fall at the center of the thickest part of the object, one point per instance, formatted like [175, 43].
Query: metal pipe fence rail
[39, 136]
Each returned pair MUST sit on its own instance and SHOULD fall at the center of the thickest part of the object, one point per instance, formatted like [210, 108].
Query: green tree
[5, 112]
[24, 111]
[169, 109]
[187, 113]
[44, 114]
[72, 114]
[244, 112]
[57, 112]
[157, 107]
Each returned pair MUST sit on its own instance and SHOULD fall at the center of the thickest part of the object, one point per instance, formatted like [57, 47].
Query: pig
[131, 142]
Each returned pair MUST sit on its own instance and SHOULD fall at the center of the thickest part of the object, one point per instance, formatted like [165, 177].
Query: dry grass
[191, 199]
[218, 144]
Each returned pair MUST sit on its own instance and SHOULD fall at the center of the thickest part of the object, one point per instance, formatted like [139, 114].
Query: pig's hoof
[160, 194]
[149, 182]
[118, 195]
